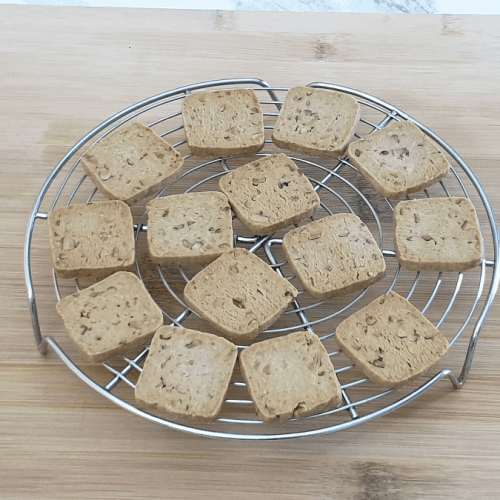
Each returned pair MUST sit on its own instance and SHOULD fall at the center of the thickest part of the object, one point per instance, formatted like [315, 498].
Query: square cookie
[391, 341]
[110, 317]
[132, 163]
[91, 240]
[398, 159]
[437, 234]
[239, 294]
[269, 194]
[191, 228]
[223, 123]
[318, 122]
[290, 377]
[334, 256]
[187, 373]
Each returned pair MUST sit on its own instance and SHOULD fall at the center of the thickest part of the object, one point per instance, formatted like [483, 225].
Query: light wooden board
[64, 70]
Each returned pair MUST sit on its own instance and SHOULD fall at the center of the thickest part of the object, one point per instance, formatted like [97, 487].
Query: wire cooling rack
[457, 304]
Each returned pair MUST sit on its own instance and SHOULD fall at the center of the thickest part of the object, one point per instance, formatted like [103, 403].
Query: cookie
[186, 373]
[334, 256]
[191, 228]
[269, 194]
[317, 122]
[290, 377]
[132, 163]
[239, 294]
[91, 240]
[399, 159]
[391, 341]
[223, 123]
[437, 234]
[110, 317]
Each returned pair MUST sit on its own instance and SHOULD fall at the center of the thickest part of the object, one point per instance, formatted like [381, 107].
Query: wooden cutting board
[65, 70]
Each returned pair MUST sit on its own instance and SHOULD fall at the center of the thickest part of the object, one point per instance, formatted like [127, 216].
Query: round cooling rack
[457, 303]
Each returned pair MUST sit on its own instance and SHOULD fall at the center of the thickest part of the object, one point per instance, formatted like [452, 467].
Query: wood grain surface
[65, 70]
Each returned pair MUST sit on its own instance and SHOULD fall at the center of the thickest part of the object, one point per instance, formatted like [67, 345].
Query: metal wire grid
[268, 248]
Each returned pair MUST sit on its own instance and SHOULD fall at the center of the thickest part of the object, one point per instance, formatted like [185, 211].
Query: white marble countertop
[354, 6]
